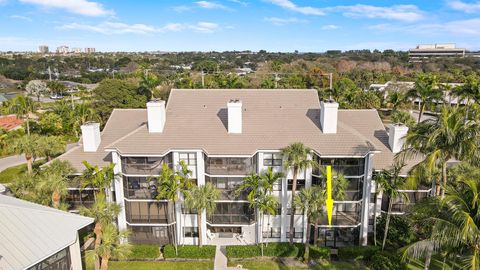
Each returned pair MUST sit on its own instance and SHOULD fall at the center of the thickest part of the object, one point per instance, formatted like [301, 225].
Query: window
[272, 159]
[277, 186]
[58, 261]
[300, 184]
[140, 187]
[188, 158]
[272, 232]
[190, 231]
[297, 233]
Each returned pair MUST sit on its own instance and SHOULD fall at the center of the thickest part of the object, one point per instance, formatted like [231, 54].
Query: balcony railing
[231, 219]
[230, 166]
[341, 218]
[147, 219]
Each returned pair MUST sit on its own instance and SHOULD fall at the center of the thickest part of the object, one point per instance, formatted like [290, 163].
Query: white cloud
[82, 7]
[287, 4]
[182, 8]
[406, 13]
[20, 17]
[205, 27]
[110, 28]
[210, 5]
[330, 27]
[464, 7]
[463, 28]
[242, 3]
[283, 21]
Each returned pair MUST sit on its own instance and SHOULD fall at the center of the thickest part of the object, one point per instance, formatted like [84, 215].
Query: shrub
[357, 253]
[384, 260]
[144, 251]
[190, 252]
[276, 250]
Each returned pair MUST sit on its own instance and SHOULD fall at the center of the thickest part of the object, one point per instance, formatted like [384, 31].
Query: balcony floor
[227, 241]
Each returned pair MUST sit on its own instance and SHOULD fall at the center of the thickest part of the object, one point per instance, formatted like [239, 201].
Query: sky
[207, 25]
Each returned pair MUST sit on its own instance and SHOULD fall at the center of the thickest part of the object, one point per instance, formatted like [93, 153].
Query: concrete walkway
[11, 161]
[220, 258]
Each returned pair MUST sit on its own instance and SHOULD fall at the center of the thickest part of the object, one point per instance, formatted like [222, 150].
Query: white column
[285, 217]
[201, 182]
[75, 255]
[118, 186]
[308, 183]
[178, 204]
[367, 192]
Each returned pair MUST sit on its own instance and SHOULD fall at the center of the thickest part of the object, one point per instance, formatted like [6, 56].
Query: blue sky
[204, 25]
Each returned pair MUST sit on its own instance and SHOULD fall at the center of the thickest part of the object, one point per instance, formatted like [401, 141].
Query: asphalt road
[11, 161]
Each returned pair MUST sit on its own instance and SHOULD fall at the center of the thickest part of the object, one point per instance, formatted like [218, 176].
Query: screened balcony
[149, 212]
[144, 165]
[227, 187]
[232, 213]
[230, 166]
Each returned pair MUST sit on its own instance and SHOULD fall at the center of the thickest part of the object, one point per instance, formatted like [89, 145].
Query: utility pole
[276, 80]
[331, 80]
[203, 79]
[49, 73]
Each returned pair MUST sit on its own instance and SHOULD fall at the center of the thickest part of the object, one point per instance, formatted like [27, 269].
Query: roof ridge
[243, 89]
[124, 136]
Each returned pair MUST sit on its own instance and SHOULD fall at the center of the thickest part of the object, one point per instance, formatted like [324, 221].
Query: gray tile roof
[31, 232]
[272, 119]
[121, 122]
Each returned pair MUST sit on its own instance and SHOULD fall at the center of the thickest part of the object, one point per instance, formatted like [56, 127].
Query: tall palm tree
[104, 214]
[469, 91]
[51, 146]
[296, 158]
[397, 99]
[29, 146]
[23, 107]
[269, 178]
[98, 178]
[444, 138]
[455, 226]
[310, 201]
[170, 185]
[425, 91]
[202, 198]
[389, 182]
[111, 246]
[266, 204]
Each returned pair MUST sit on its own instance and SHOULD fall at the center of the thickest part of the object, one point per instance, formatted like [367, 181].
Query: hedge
[144, 252]
[357, 253]
[189, 252]
[385, 260]
[276, 250]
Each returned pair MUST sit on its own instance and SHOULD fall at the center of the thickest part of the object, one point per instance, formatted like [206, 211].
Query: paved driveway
[11, 161]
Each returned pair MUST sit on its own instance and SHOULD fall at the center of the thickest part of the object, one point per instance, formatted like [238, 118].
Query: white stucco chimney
[396, 137]
[234, 107]
[91, 136]
[156, 116]
[329, 116]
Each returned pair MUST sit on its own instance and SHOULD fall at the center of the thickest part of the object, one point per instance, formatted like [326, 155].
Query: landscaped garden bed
[189, 252]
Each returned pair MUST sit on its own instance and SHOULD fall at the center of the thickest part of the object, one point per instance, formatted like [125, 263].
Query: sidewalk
[220, 258]
[11, 161]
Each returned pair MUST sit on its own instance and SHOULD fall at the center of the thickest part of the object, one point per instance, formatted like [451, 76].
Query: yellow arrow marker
[329, 195]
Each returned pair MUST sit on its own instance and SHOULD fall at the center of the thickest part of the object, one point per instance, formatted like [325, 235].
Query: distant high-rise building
[77, 50]
[63, 49]
[43, 49]
[89, 50]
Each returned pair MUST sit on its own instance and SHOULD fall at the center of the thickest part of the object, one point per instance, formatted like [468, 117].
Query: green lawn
[157, 265]
[272, 265]
[7, 175]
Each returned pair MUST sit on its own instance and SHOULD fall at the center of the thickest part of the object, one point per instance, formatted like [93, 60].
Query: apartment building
[223, 136]
[436, 50]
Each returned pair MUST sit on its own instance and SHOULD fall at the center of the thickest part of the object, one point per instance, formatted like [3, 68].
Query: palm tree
[23, 107]
[104, 214]
[269, 178]
[425, 91]
[266, 204]
[98, 178]
[111, 246]
[469, 91]
[171, 185]
[54, 179]
[310, 201]
[397, 99]
[51, 146]
[296, 157]
[28, 146]
[445, 138]
[202, 198]
[389, 182]
[455, 226]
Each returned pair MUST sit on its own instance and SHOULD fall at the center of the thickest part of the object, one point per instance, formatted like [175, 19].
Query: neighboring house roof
[272, 119]
[31, 232]
[120, 123]
[10, 122]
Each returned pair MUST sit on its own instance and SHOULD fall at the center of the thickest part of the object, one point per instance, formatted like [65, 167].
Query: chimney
[156, 116]
[329, 116]
[396, 137]
[234, 116]
[91, 136]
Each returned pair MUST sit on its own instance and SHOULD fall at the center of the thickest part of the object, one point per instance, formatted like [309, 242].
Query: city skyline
[274, 25]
